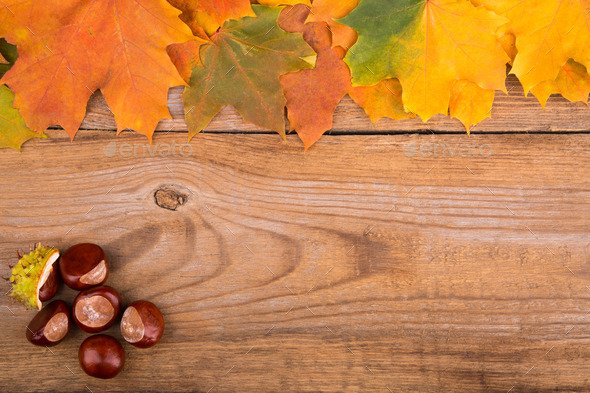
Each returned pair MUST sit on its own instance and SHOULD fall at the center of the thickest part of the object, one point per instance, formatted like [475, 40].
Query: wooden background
[367, 264]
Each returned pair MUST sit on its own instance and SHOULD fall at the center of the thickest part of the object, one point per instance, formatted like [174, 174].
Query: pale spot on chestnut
[132, 327]
[95, 311]
[142, 324]
[97, 275]
[57, 327]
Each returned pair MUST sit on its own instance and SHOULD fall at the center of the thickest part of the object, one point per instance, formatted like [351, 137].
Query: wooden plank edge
[511, 113]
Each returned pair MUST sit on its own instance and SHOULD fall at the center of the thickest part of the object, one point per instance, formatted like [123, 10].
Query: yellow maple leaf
[381, 100]
[470, 103]
[548, 33]
[427, 45]
[572, 82]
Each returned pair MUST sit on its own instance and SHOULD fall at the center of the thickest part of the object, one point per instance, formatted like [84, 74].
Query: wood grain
[511, 113]
[367, 264]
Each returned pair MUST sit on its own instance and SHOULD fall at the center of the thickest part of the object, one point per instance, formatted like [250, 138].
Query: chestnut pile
[97, 307]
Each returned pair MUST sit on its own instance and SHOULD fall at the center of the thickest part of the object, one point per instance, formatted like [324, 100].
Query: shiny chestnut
[142, 324]
[51, 325]
[96, 309]
[101, 356]
[84, 266]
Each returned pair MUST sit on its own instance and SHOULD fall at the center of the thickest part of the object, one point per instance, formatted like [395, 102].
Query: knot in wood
[168, 198]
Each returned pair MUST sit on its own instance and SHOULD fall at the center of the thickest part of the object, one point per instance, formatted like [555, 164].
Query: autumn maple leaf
[572, 82]
[241, 66]
[428, 46]
[204, 17]
[313, 95]
[13, 129]
[381, 100]
[327, 11]
[274, 3]
[186, 56]
[70, 48]
[470, 103]
[548, 33]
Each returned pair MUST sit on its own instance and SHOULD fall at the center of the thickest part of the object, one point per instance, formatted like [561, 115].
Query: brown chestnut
[142, 324]
[96, 309]
[101, 356]
[50, 325]
[49, 289]
[84, 266]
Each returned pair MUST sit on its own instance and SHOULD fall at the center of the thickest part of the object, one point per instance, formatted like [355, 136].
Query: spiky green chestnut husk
[30, 273]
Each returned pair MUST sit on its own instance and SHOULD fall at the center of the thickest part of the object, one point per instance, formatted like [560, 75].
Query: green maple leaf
[13, 129]
[241, 67]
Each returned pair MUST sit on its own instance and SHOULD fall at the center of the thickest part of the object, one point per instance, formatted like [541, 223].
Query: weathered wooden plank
[368, 263]
[512, 113]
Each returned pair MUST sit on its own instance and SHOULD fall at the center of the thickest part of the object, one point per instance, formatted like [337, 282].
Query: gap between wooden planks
[511, 113]
[363, 265]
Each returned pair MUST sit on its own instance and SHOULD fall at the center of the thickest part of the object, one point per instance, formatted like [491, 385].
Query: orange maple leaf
[190, 16]
[381, 100]
[185, 56]
[327, 11]
[313, 94]
[208, 15]
[275, 3]
[68, 49]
